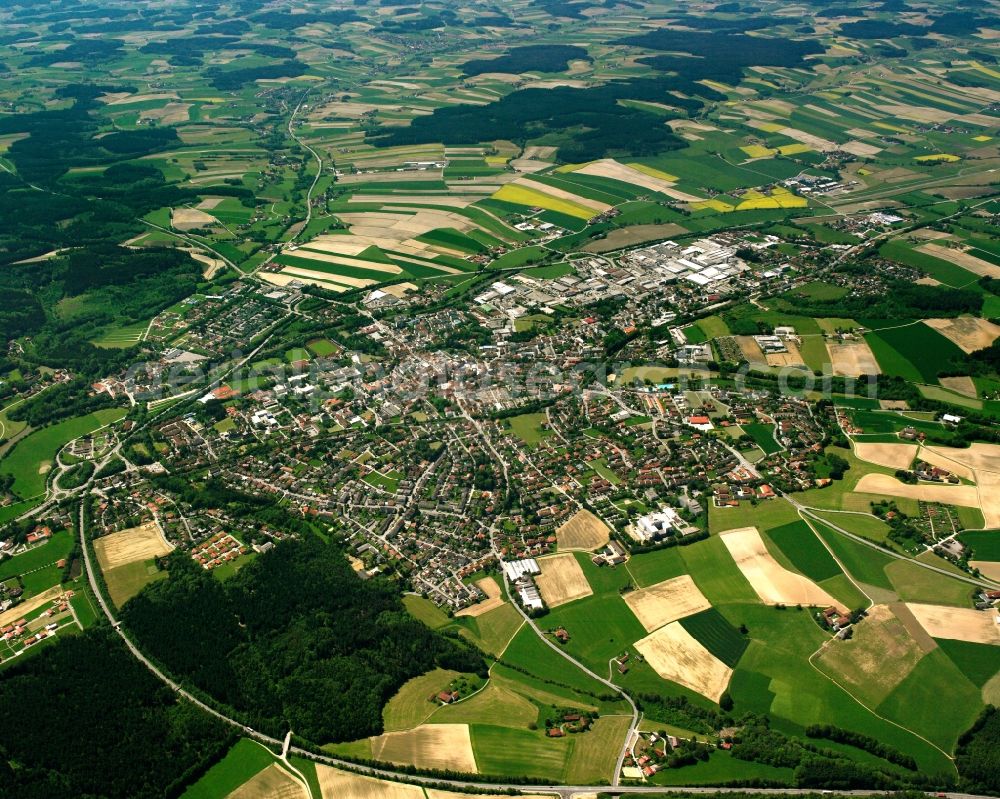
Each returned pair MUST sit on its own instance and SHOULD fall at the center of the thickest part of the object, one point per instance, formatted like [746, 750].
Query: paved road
[282, 745]
[980, 582]
[319, 167]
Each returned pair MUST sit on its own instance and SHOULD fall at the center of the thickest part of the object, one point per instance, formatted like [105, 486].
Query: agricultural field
[488, 264]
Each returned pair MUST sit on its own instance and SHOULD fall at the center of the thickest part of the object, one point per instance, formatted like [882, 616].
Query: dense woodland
[978, 753]
[530, 58]
[588, 122]
[133, 738]
[289, 637]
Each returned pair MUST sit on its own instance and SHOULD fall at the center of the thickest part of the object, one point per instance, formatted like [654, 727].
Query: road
[319, 168]
[283, 745]
[811, 513]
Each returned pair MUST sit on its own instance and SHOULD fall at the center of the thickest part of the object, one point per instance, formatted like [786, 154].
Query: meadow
[805, 551]
[242, 762]
[914, 352]
[30, 459]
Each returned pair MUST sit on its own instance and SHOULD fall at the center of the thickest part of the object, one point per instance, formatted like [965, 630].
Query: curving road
[282, 745]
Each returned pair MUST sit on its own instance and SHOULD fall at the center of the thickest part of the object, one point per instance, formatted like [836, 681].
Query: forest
[530, 58]
[719, 56]
[136, 741]
[288, 637]
[589, 121]
[594, 116]
[978, 753]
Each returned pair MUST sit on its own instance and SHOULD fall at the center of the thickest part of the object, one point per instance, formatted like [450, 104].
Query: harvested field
[860, 149]
[675, 655]
[434, 793]
[271, 783]
[852, 357]
[960, 258]
[562, 580]
[944, 458]
[960, 385]
[444, 747]
[988, 568]
[817, 143]
[892, 456]
[958, 624]
[859, 663]
[344, 260]
[666, 602]
[282, 279]
[608, 168]
[212, 265]
[966, 496]
[774, 584]
[317, 276]
[494, 598]
[26, 607]
[913, 627]
[969, 333]
[449, 200]
[170, 114]
[751, 351]
[583, 531]
[635, 234]
[336, 784]
[976, 456]
[122, 98]
[190, 219]
[129, 546]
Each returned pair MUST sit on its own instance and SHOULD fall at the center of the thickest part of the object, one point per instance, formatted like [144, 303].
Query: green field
[127, 580]
[520, 753]
[985, 544]
[863, 563]
[654, 567]
[774, 676]
[763, 434]
[717, 635]
[913, 352]
[528, 428]
[31, 458]
[409, 707]
[493, 630]
[979, 662]
[56, 548]
[243, 761]
[805, 551]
